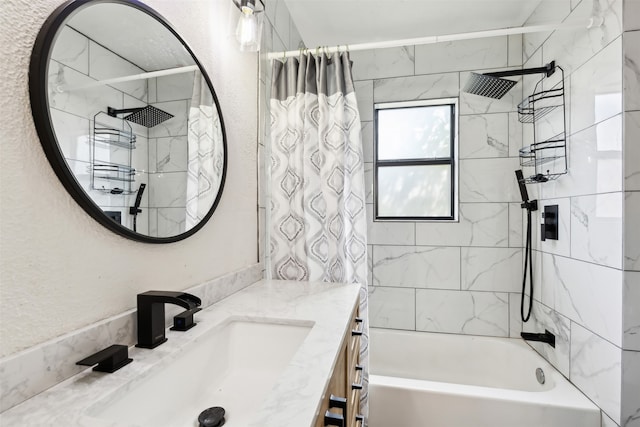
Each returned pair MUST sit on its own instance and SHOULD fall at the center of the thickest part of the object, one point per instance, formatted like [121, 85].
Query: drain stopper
[212, 417]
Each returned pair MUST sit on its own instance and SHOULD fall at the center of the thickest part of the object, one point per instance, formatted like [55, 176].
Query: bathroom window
[415, 160]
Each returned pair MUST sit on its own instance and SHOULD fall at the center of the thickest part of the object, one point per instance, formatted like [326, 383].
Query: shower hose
[528, 260]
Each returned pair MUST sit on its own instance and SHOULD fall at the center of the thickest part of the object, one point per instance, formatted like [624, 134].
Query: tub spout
[547, 337]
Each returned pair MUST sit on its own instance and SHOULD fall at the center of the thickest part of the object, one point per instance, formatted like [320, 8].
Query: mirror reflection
[135, 120]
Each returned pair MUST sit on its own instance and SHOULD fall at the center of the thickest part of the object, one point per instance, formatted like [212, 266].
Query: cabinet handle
[331, 419]
[358, 319]
[356, 386]
[356, 333]
[359, 367]
[338, 402]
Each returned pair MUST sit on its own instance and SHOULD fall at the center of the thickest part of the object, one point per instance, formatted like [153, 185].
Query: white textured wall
[61, 270]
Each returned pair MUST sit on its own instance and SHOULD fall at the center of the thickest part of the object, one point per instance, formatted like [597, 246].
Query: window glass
[414, 133]
[414, 161]
[414, 191]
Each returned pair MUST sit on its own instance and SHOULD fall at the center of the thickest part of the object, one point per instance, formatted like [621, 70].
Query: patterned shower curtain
[205, 153]
[318, 214]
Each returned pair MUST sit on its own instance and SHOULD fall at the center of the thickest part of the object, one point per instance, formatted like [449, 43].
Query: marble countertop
[292, 402]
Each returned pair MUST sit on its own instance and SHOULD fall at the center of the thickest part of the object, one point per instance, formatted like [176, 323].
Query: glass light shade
[248, 31]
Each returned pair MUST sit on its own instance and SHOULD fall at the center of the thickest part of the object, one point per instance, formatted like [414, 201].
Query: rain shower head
[492, 85]
[489, 86]
[148, 116]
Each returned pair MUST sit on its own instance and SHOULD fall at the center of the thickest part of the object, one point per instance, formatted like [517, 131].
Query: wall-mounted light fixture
[249, 28]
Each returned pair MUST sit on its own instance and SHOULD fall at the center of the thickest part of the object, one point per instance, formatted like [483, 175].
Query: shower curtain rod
[592, 22]
[141, 76]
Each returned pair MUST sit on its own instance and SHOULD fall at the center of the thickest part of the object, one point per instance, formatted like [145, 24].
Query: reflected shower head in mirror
[488, 86]
[148, 116]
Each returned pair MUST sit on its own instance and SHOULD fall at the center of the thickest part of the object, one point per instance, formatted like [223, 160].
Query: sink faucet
[151, 326]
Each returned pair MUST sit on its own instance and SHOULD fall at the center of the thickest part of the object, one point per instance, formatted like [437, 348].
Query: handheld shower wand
[530, 206]
[135, 209]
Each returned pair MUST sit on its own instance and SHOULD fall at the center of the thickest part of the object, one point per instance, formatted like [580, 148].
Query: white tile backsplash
[473, 313]
[392, 308]
[168, 154]
[596, 229]
[167, 190]
[631, 70]
[596, 88]
[632, 231]
[488, 180]
[570, 48]
[417, 267]
[104, 64]
[364, 95]
[515, 225]
[462, 55]
[480, 224]
[586, 293]
[515, 50]
[432, 86]
[71, 49]
[630, 411]
[389, 233]
[484, 136]
[595, 162]
[175, 87]
[492, 269]
[631, 11]
[367, 141]
[382, 63]
[596, 369]
[632, 151]
[631, 313]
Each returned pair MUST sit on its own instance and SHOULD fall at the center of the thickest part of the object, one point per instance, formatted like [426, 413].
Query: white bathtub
[423, 379]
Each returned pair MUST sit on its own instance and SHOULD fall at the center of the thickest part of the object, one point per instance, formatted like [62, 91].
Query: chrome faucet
[151, 322]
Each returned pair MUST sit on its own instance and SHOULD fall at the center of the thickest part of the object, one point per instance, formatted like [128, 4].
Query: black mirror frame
[38, 94]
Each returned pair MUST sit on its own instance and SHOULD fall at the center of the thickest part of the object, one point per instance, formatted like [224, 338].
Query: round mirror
[128, 119]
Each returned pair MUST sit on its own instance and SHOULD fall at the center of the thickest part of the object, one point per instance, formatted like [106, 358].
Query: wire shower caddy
[549, 156]
[112, 141]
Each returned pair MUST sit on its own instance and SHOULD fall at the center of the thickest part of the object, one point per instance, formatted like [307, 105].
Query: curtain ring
[317, 50]
[284, 56]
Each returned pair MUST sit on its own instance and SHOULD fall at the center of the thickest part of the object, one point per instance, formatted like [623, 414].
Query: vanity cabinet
[340, 404]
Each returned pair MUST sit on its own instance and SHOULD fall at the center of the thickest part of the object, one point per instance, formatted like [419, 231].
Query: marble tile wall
[453, 277]
[168, 154]
[160, 157]
[464, 277]
[630, 405]
[79, 61]
[589, 294]
[279, 34]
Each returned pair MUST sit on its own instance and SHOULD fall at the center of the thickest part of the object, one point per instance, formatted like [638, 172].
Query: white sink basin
[234, 365]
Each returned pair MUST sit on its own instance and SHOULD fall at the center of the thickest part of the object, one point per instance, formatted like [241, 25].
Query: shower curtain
[318, 214]
[205, 154]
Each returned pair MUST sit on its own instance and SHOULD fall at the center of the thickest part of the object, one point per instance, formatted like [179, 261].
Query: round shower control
[540, 375]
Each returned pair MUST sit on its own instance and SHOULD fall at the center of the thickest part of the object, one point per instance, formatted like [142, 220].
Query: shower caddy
[115, 178]
[548, 157]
